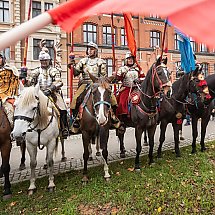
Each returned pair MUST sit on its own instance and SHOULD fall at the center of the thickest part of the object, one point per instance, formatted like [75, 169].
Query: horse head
[101, 96]
[29, 109]
[160, 77]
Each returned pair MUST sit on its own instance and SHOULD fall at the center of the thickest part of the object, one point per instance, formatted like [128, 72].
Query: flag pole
[163, 40]
[113, 50]
[26, 39]
[71, 40]
[22, 31]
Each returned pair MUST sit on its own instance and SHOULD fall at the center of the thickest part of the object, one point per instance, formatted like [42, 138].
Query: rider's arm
[57, 81]
[102, 67]
[120, 73]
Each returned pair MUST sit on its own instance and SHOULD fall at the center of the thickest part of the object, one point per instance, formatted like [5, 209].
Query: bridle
[31, 120]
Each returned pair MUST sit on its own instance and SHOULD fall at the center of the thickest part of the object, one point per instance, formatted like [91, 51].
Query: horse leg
[145, 138]
[194, 132]
[121, 142]
[86, 141]
[90, 152]
[63, 157]
[163, 126]
[138, 136]
[50, 162]
[5, 168]
[98, 153]
[176, 129]
[204, 125]
[151, 134]
[32, 150]
[23, 150]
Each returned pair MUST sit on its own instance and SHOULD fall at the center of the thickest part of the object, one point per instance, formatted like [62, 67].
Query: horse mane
[28, 96]
[146, 81]
[103, 83]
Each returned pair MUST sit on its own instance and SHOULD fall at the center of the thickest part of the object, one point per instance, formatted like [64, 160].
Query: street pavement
[74, 152]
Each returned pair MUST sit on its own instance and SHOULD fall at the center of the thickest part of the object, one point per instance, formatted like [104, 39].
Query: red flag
[130, 36]
[130, 33]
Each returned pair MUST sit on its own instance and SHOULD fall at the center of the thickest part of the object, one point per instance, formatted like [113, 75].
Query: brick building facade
[148, 34]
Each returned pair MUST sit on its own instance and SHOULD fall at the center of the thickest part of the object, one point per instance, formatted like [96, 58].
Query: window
[193, 45]
[155, 38]
[6, 53]
[90, 33]
[36, 8]
[176, 42]
[205, 69]
[123, 37]
[107, 35]
[4, 11]
[48, 6]
[154, 16]
[37, 49]
[203, 48]
[178, 69]
[109, 66]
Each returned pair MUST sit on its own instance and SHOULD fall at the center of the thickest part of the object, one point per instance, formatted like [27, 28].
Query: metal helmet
[91, 44]
[44, 56]
[128, 54]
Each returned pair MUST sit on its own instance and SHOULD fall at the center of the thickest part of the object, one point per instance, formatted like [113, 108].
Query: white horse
[36, 121]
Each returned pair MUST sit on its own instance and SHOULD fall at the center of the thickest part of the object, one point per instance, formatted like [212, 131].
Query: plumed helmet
[128, 54]
[91, 44]
[44, 56]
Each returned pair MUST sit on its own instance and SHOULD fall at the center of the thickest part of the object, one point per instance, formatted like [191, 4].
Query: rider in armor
[130, 75]
[9, 82]
[97, 67]
[49, 79]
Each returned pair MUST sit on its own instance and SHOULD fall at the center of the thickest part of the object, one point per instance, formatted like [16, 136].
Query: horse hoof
[122, 155]
[98, 154]
[178, 155]
[45, 166]
[203, 149]
[107, 179]
[51, 189]
[22, 167]
[8, 196]
[31, 192]
[193, 151]
[85, 180]
[64, 159]
[159, 155]
[137, 169]
[145, 144]
[182, 138]
[90, 159]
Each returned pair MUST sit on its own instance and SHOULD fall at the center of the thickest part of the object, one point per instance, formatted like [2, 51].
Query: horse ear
[21, 86]
[158, 62]
[37, 88]
[93, 78]
[165, 60]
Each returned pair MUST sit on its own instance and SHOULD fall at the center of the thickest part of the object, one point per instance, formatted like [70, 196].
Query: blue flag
[187, 57]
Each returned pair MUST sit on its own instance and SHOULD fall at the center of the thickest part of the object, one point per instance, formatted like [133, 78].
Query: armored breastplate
[130, 76]
[92, 67]
[8, 83]
[44, 78]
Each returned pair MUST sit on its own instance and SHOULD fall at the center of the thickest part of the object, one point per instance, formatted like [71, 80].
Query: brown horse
[5, 146]
[95, 120]
[145, 114]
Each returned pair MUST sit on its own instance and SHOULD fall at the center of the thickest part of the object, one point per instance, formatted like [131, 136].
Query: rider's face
[91, 52]
[130, 61]
[44, 63]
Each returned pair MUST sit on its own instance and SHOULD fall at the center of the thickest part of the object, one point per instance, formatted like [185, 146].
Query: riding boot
[114, 120]
[64, 123]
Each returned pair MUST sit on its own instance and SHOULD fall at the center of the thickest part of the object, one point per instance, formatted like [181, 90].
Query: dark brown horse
[95, 120]
[5, 146]
[200, 107]
[144, 116]
[172, 110]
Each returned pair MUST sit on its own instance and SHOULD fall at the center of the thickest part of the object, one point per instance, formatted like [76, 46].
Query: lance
[26, 39]
[163, 39]
[113, 50]
[71, 57]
